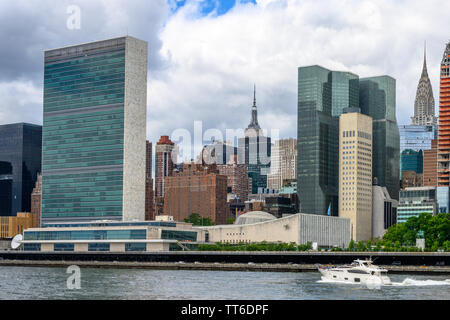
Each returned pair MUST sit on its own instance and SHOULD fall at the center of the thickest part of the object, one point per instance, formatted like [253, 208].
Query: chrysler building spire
[424, 113]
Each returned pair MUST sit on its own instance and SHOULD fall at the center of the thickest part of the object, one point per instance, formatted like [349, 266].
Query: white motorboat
[360, 271]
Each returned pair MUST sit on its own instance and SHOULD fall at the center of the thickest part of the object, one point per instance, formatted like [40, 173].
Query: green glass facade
[255, 151]
[322, 97]
[179, 235]
[84, 131]
[378, 100]
[411, 160]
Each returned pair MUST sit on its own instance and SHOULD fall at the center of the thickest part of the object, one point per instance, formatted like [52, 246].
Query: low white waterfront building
[112, 236]
[300, 228]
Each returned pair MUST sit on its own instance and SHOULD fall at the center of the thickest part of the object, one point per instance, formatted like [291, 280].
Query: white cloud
[21, 101]
[204, 68]
[214, 61]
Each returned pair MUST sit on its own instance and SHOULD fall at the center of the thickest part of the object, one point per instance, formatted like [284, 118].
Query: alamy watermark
[74, 19]
[74, 280]
[204, 145]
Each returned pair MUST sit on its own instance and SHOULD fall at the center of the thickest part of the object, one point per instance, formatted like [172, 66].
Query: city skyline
[214, 47]
[224, 150]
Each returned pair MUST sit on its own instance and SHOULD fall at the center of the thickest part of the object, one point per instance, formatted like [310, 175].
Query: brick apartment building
[36, 199]
[430, 165]
[237, 178]
[164, 167]
[196, 189]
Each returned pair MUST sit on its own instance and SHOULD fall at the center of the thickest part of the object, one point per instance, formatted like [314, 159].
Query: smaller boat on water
[360, 271]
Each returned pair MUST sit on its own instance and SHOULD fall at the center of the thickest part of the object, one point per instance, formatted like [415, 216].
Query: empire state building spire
[254, 123]
[424, 113]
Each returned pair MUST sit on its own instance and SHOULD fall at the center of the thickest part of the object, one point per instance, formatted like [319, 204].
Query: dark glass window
[98, 247]
[179, 235]
[32, 247]
[64, 247]
[135, 247]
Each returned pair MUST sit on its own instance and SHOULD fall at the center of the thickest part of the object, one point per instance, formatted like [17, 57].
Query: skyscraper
[20, 163]
[237, 178]
[94, 131]
[444, 122]
[218, 152]
[443, 191]
[36, 200]
[430, 165]
[412, 160]
[255, 151]
[164, 163]
[322, 97]
[283, 163]
[417, 137]
[411, 168]
[355, 173]
[424, 113]
[378, 100]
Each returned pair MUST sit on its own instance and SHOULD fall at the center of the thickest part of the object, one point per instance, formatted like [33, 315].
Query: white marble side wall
[326, 231]
[135, 127]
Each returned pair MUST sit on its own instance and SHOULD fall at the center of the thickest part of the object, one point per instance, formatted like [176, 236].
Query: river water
[18, 283]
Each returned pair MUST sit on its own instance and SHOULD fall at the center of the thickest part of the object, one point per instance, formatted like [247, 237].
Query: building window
[98, 247]
[32, 247]
[179, 235]
[135, 247]
[63, 247]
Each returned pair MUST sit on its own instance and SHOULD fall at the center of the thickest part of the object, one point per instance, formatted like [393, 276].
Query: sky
[205, 56]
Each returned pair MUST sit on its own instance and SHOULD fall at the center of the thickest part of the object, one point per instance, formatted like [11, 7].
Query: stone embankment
[255, 267]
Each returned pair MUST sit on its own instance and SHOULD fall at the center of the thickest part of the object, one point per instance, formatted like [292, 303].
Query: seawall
[254, 267]
[437, 262]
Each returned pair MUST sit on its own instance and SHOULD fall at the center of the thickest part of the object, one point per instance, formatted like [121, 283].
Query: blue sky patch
[208, 6]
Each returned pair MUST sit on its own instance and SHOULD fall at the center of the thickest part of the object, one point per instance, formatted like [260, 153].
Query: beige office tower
[283, 163]
[355, 173]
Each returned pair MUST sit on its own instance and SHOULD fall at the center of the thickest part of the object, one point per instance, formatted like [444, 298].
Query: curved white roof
[254, 217]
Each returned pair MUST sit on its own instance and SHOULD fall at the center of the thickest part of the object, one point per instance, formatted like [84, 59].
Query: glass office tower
[256, 152]
[94, 133]
[411, 160]
[322, 97]
[416, 137]
[20, 162]
[378, 100]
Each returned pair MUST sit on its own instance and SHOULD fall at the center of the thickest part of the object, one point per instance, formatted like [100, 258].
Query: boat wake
[413, 282]
[408, 282]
